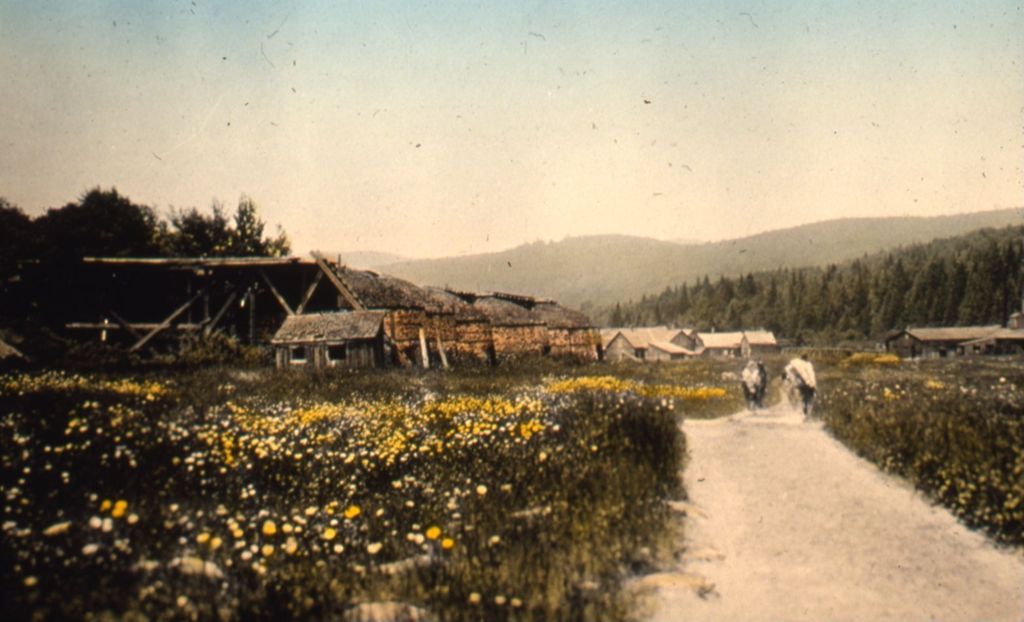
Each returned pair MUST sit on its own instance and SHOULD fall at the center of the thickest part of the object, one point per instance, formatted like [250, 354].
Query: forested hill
[968, 279]
[601, 270]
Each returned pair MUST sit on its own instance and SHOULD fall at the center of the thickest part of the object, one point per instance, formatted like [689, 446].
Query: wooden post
[252, 314]
[124, 324]
[343, 289]
[309, 292]
[423, 350]
[167, 322]
[212, 324]
[440, 351]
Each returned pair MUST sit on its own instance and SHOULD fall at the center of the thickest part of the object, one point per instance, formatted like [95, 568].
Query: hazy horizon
[447, 129]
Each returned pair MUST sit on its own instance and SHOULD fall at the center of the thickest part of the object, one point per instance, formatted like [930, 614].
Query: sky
[442, 128]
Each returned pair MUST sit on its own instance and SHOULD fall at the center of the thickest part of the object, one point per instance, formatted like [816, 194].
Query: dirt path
[787, 524]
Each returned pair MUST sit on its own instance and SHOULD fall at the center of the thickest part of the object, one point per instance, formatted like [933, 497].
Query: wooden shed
[569, 333]
[338, 339]
[515, 332]
[1001, 342]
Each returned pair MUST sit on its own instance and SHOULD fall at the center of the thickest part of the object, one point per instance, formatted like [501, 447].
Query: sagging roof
[951, 333]
[330, 327]
[381, 291]
[502, 312]
[720, 341]
[670, 348]
[450, 303]
[557, 316]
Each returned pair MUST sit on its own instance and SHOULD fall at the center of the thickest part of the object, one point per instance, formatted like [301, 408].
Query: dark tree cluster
[104, 223]
[970, 279]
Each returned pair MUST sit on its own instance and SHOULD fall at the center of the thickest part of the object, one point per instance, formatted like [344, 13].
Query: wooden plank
[343, 289]
[277, 294]
[124, 324]
[134, 326]
[309, 292]
[423, 350]
[212, 324]
[167, 322]
[440, 351]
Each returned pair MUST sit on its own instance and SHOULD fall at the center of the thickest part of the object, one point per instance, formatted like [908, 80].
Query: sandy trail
[787, 524]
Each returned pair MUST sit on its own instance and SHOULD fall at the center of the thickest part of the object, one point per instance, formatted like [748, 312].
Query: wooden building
[729, 344]
[515, 332]
[337, 339]
[1004, 341]
[470, 330]
[649, 343]
[761, 342]
[569, 332]
[935, 342]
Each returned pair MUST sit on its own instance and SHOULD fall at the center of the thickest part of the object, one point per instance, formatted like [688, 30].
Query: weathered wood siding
[619, 349]
[511, 341]
[358, 354]
[578, 343]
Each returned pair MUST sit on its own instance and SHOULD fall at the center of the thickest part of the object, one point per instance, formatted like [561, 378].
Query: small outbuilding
[1000, 342]
[734, 344]
[648, 343]
[339, 339]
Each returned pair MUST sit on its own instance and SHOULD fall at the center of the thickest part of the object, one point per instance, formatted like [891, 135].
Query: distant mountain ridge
[600, 270]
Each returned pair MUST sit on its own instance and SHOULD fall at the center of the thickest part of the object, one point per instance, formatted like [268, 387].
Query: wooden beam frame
[277, 294]
[124, 324]
[212, 324]
[309, 292]
[167, 322]
[343, 289]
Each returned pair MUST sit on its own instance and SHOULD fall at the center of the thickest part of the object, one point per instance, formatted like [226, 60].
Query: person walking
[799, 373]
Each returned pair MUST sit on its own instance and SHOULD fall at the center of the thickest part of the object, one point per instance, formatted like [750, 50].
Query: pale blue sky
[435, 128]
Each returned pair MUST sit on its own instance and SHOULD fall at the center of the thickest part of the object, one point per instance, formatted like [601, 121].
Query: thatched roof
[7, 351]
[450, 303]
[330, 327]
[502, 312]
[557, 316]
[381, 291]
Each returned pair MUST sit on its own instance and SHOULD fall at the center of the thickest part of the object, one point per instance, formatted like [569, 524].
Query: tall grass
[249, 495]
[954, 428]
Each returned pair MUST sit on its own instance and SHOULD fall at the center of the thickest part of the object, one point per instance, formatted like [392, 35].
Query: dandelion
[90, 549]
[339, 548]
[267, 550]
[269, 528]
[132, 518]
[215, 543]
[515, 602]
[203, 538]
[329, 534]
[433, 533]
[481, 490]
[374, 547]
[30, 581]
[474, 598]
[107, 503]
[291, 546]
[352, 511]
[447, 544]
[499, 600]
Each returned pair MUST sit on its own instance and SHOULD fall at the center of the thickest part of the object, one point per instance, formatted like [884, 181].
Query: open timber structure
[316, 312]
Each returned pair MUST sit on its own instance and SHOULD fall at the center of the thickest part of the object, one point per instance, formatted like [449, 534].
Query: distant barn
[935, 342]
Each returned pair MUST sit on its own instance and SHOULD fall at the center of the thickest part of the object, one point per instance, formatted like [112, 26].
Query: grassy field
[954, 427]
[519, 494]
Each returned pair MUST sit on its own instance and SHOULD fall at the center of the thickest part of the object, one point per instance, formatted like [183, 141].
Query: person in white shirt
[800, 374]
[755, 380]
